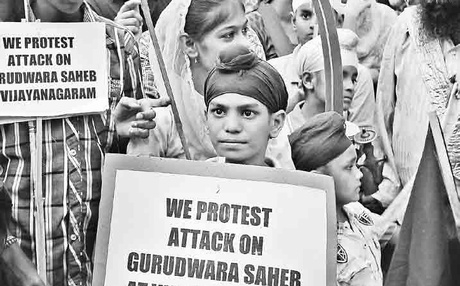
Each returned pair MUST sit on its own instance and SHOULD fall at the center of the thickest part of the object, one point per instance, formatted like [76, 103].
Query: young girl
[191, 34]
[246, 104]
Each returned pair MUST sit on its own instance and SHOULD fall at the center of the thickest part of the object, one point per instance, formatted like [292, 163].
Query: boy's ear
[339, 18]
[293, 20]
[321, 170]
[277, 123]
[307, 81]
[188, 45]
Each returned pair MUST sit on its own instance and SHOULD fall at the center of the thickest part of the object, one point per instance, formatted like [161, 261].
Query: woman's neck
[312, 107]
[199, 75]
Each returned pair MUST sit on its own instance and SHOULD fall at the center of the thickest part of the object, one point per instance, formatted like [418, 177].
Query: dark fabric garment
[256, 22]
[11, 10]
[319, 141]
[240, 71]
[428, 252]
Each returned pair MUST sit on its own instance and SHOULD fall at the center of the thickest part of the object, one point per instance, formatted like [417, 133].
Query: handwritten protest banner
[52, 69]
[171, 222]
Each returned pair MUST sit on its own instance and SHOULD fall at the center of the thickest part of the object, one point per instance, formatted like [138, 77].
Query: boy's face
[318, 81]
[240, 126]
[304, 22]
[347, 177]
[350, 74]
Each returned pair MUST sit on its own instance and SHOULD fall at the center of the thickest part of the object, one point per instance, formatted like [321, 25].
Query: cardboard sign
[177, 222]
[52, 69]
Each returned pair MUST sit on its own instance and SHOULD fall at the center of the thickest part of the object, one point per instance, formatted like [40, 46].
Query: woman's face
[232, 31]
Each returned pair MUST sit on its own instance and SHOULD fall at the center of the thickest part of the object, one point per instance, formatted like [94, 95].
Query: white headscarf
[190, 103]
[310, 56]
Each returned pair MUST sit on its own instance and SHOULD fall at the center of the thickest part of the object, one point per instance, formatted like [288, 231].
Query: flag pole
[161, 63]
[36, 158]
[445, 168]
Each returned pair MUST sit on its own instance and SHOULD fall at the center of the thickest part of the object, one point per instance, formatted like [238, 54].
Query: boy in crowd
[322, 146]
[246, 102]
[309, 71]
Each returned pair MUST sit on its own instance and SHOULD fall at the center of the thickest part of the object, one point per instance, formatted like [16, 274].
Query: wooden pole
[332, 58]
[36, 158]
[446, 171]
[161, 63]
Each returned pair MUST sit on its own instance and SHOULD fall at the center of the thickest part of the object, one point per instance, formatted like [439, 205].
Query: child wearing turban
[245, 101]
[309, 69]
[322, 146]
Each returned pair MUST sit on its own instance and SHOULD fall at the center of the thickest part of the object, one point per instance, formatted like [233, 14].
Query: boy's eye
[306, 15]
[217, 112]
[354, 79]
[229, 35]
[248, 113]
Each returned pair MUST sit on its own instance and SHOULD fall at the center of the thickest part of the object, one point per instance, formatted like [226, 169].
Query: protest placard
[52, 69]
[177, 222]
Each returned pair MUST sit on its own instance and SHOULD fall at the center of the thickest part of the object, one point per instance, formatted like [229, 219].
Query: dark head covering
[240, 71]
[319, 141]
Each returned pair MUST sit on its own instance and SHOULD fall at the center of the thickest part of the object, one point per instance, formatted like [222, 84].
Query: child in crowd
[309, 69]
[304, 22]
[246, 103]
[191, 34]
[322, 146]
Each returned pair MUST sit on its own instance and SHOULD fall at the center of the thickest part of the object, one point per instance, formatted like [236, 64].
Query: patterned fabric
[373, 35]
[256, 23]
[73, 154]
[358, 248]
[403, 95]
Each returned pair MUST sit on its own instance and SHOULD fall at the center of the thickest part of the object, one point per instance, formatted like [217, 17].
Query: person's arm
[162, 141]
[15, 267]
[385, 102]
[130, 17]
[133, 116]
[362, 106]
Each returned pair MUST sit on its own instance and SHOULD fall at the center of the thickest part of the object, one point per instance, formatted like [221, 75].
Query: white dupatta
[190, 103]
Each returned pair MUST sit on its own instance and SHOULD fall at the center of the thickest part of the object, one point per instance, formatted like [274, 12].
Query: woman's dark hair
[202, 17]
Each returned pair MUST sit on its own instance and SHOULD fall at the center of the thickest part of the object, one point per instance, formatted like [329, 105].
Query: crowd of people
[248, 79]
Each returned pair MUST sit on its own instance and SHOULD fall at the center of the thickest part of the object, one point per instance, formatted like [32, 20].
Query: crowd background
[400, 61]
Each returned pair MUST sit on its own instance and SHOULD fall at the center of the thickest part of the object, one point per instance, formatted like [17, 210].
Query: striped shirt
[73, 154]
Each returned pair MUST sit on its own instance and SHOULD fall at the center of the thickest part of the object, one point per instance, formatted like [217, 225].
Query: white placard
[52, 69]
